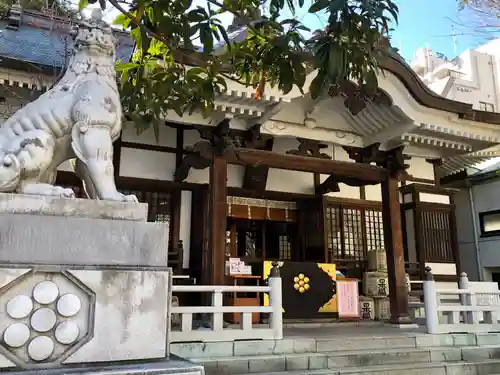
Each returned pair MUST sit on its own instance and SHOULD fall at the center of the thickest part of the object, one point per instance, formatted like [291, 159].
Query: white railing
[415, 306]
[472, 312]
[218, 330]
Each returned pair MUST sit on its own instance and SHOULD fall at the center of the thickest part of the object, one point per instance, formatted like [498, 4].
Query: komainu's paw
[59, 191]
[47, 190]
[130, 198]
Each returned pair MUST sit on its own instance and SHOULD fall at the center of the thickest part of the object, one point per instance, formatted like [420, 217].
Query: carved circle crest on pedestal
[41, 348]
[43, 320]
[67, 332]
[44, 317]
[45, 292]
[19, 306]
[16, 335]
[69, 305]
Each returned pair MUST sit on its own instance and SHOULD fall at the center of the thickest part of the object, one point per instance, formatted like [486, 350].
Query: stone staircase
[382, 354]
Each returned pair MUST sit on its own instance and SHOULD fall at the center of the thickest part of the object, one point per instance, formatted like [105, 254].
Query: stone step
[487, 367]
[392, 356]
[459, 368]
[321, 361]
[290, 345]
[346, 359]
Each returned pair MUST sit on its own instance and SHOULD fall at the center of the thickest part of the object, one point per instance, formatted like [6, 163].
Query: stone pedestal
[83, 283]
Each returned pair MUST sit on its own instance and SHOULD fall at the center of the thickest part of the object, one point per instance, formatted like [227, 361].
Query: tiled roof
[45, 47]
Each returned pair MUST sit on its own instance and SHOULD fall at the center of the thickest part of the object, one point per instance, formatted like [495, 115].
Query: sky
[430, 23]
[422, 23]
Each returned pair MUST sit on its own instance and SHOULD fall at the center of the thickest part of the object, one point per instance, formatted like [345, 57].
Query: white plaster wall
[418, 168]
[442, 268]
[161, 166]
[235, 174]
[191, 136]
[153, 165]
[346, 191]
[289, 181]
[434, 198]
[167, 136]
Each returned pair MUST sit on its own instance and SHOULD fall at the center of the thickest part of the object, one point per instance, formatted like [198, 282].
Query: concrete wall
[485, 198]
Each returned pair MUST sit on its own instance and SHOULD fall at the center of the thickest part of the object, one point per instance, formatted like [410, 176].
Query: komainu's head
[94, 36]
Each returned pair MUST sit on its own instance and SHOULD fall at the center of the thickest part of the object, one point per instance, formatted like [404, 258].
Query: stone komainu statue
[79, 117]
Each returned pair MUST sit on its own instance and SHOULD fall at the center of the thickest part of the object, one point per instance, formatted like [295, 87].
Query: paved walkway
[362, 329]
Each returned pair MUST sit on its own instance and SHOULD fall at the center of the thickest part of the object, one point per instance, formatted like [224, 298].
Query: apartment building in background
[472, 77]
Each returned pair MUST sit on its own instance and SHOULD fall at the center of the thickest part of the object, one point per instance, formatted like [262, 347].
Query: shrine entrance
[227, 237]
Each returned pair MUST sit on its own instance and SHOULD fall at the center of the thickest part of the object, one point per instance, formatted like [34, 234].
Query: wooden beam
[217, 219]
[393, 240]
[255, 177]
[362, 172]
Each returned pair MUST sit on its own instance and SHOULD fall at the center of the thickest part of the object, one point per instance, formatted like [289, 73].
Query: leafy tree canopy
[178, 66]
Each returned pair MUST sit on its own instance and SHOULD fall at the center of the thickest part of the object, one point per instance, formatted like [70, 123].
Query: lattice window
[284, 246]
[159, 209]
[352, 232]
[437, 236]
[374, 230]
[333, 232]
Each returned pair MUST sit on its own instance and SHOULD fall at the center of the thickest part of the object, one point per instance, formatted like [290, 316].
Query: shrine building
[305, 182]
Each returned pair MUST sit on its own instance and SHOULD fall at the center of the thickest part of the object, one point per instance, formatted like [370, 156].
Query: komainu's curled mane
[79, 117]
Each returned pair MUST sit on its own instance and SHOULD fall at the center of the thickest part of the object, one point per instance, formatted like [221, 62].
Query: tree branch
[175, 52]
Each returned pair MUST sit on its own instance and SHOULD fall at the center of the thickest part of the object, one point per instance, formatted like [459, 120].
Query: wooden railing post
[430, 302]
[276, 301]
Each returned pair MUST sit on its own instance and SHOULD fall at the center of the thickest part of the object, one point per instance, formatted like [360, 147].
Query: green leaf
[122, 20]
[206, 38]
[222, 31]
[319, 5]
[317, 85]
[125, 67]
[196, 15]
[195, 71]
[299, 73]
[82, 4]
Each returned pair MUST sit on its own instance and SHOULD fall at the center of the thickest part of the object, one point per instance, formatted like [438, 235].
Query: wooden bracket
[393, 160]
[217, 141]
[311, 148]
[255, 177]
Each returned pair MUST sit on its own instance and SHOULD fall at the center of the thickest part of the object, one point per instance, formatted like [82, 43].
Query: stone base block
[82, 282]
[74, 240]
[56, 316]
[11, 204]
[164, 367]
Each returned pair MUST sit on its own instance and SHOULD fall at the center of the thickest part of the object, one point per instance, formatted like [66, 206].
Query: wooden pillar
[393, 238]
[217, 219]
